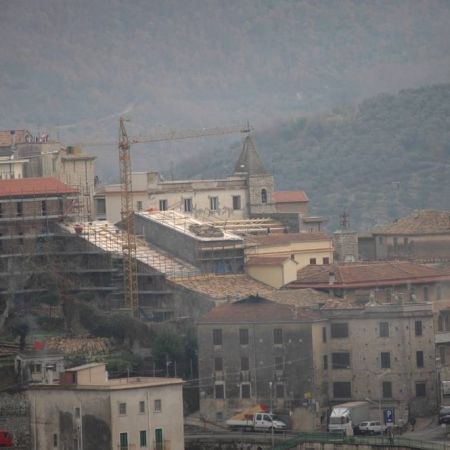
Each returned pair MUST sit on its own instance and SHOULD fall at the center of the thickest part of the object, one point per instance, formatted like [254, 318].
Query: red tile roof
[257, 309]
[425, 221]
[266, 260]
[286, 238]
[33, 187]
[290, 197]
[368, 274]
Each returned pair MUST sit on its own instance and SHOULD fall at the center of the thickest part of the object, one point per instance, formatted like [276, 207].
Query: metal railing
[329, 438]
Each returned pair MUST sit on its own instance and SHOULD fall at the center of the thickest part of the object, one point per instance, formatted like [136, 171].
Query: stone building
[316, 357]
[392, 345]
[422, 236]
[245, 345]
[89, 410]
[248, 192]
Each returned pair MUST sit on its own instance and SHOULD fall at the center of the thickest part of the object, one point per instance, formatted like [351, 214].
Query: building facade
[88, 410]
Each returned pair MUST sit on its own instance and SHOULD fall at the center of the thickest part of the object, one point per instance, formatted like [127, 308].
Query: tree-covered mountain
[378, 161]
[71, 66]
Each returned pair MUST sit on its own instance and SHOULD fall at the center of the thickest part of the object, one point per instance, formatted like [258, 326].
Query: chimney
[13, 138]
[331, 278]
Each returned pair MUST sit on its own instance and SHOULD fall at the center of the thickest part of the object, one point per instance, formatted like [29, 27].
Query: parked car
[444, 415]
[6, 439]
[373, 427]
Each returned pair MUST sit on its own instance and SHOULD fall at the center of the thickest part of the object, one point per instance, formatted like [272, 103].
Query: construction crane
[127, 210]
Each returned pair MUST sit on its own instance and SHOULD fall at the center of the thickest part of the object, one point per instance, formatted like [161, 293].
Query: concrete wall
[15, 418]
[53, 412]
[289, 207]
[274, 275]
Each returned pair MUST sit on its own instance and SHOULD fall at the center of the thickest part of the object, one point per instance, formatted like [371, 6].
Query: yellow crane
[127, 210]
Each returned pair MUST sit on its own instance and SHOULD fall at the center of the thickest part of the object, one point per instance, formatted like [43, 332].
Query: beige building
[11, 168]
[276, 271]
[275, 258]
[88, 410]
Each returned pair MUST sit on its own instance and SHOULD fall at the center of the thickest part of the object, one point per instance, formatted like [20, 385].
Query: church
[247, 193]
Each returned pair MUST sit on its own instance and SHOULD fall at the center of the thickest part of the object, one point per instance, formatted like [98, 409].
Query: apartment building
[87, 410]
[305, 360]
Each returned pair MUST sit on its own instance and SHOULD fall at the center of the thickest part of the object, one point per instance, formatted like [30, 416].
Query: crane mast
[127, 215]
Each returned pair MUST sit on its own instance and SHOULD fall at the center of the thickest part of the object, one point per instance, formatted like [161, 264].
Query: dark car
[444, 415]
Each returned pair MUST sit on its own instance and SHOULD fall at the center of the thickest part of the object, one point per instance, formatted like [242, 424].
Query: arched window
[263, 196]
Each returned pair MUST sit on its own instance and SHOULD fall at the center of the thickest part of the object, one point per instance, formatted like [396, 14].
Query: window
[325, 362]
[384, 329]
[219, 391]
[426, 294]
[339, 330]
[217, 336]
[312, 261]
[245, 390]
[277, 336]
[55, 440]
[325, 260]
[236, 202]
[143, 438]
[419, 358]
[243, 336]
[438, 287]
[157, 405]
[244, 363]
[187, 204]
[139, 205]
[263, 196]
[442, 354]
[421, 389]
[44, 207]
[142, 407]
[1, 210]
[123, 440]
[340, 360]
[21, 238]
[342, 389]
[279, 363]
[213, 203]
[77, 412]
[385, 360]
[19, 209]
[324, 334]
[36, 368]
[405, 241]
[279, 391]
[418, 327]
[158, 439]
[163, 205]
[122, 409]
[218, 364]
[387, 389]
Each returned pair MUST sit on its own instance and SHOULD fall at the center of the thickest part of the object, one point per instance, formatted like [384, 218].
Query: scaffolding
[110, 238]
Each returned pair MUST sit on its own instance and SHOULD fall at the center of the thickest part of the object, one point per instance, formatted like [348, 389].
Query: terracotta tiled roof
[225, 287]
[367, 274]
[266, 260]
[257, 309]
[290, 197]
[6, 139]
[286, 238]
[425, 221]
[33, 187]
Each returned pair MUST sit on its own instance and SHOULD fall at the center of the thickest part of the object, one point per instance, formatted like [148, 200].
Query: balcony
[442, 337]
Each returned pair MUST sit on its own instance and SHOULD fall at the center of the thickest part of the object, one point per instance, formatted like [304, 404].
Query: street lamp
[271, 415]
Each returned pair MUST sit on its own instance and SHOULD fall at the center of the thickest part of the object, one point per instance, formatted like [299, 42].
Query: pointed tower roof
[249, 161]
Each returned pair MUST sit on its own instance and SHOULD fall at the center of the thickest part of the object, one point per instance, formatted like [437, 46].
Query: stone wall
[15, 418]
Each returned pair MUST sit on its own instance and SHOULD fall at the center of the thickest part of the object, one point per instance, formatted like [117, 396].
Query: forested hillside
[377, 161]
[71, 67]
